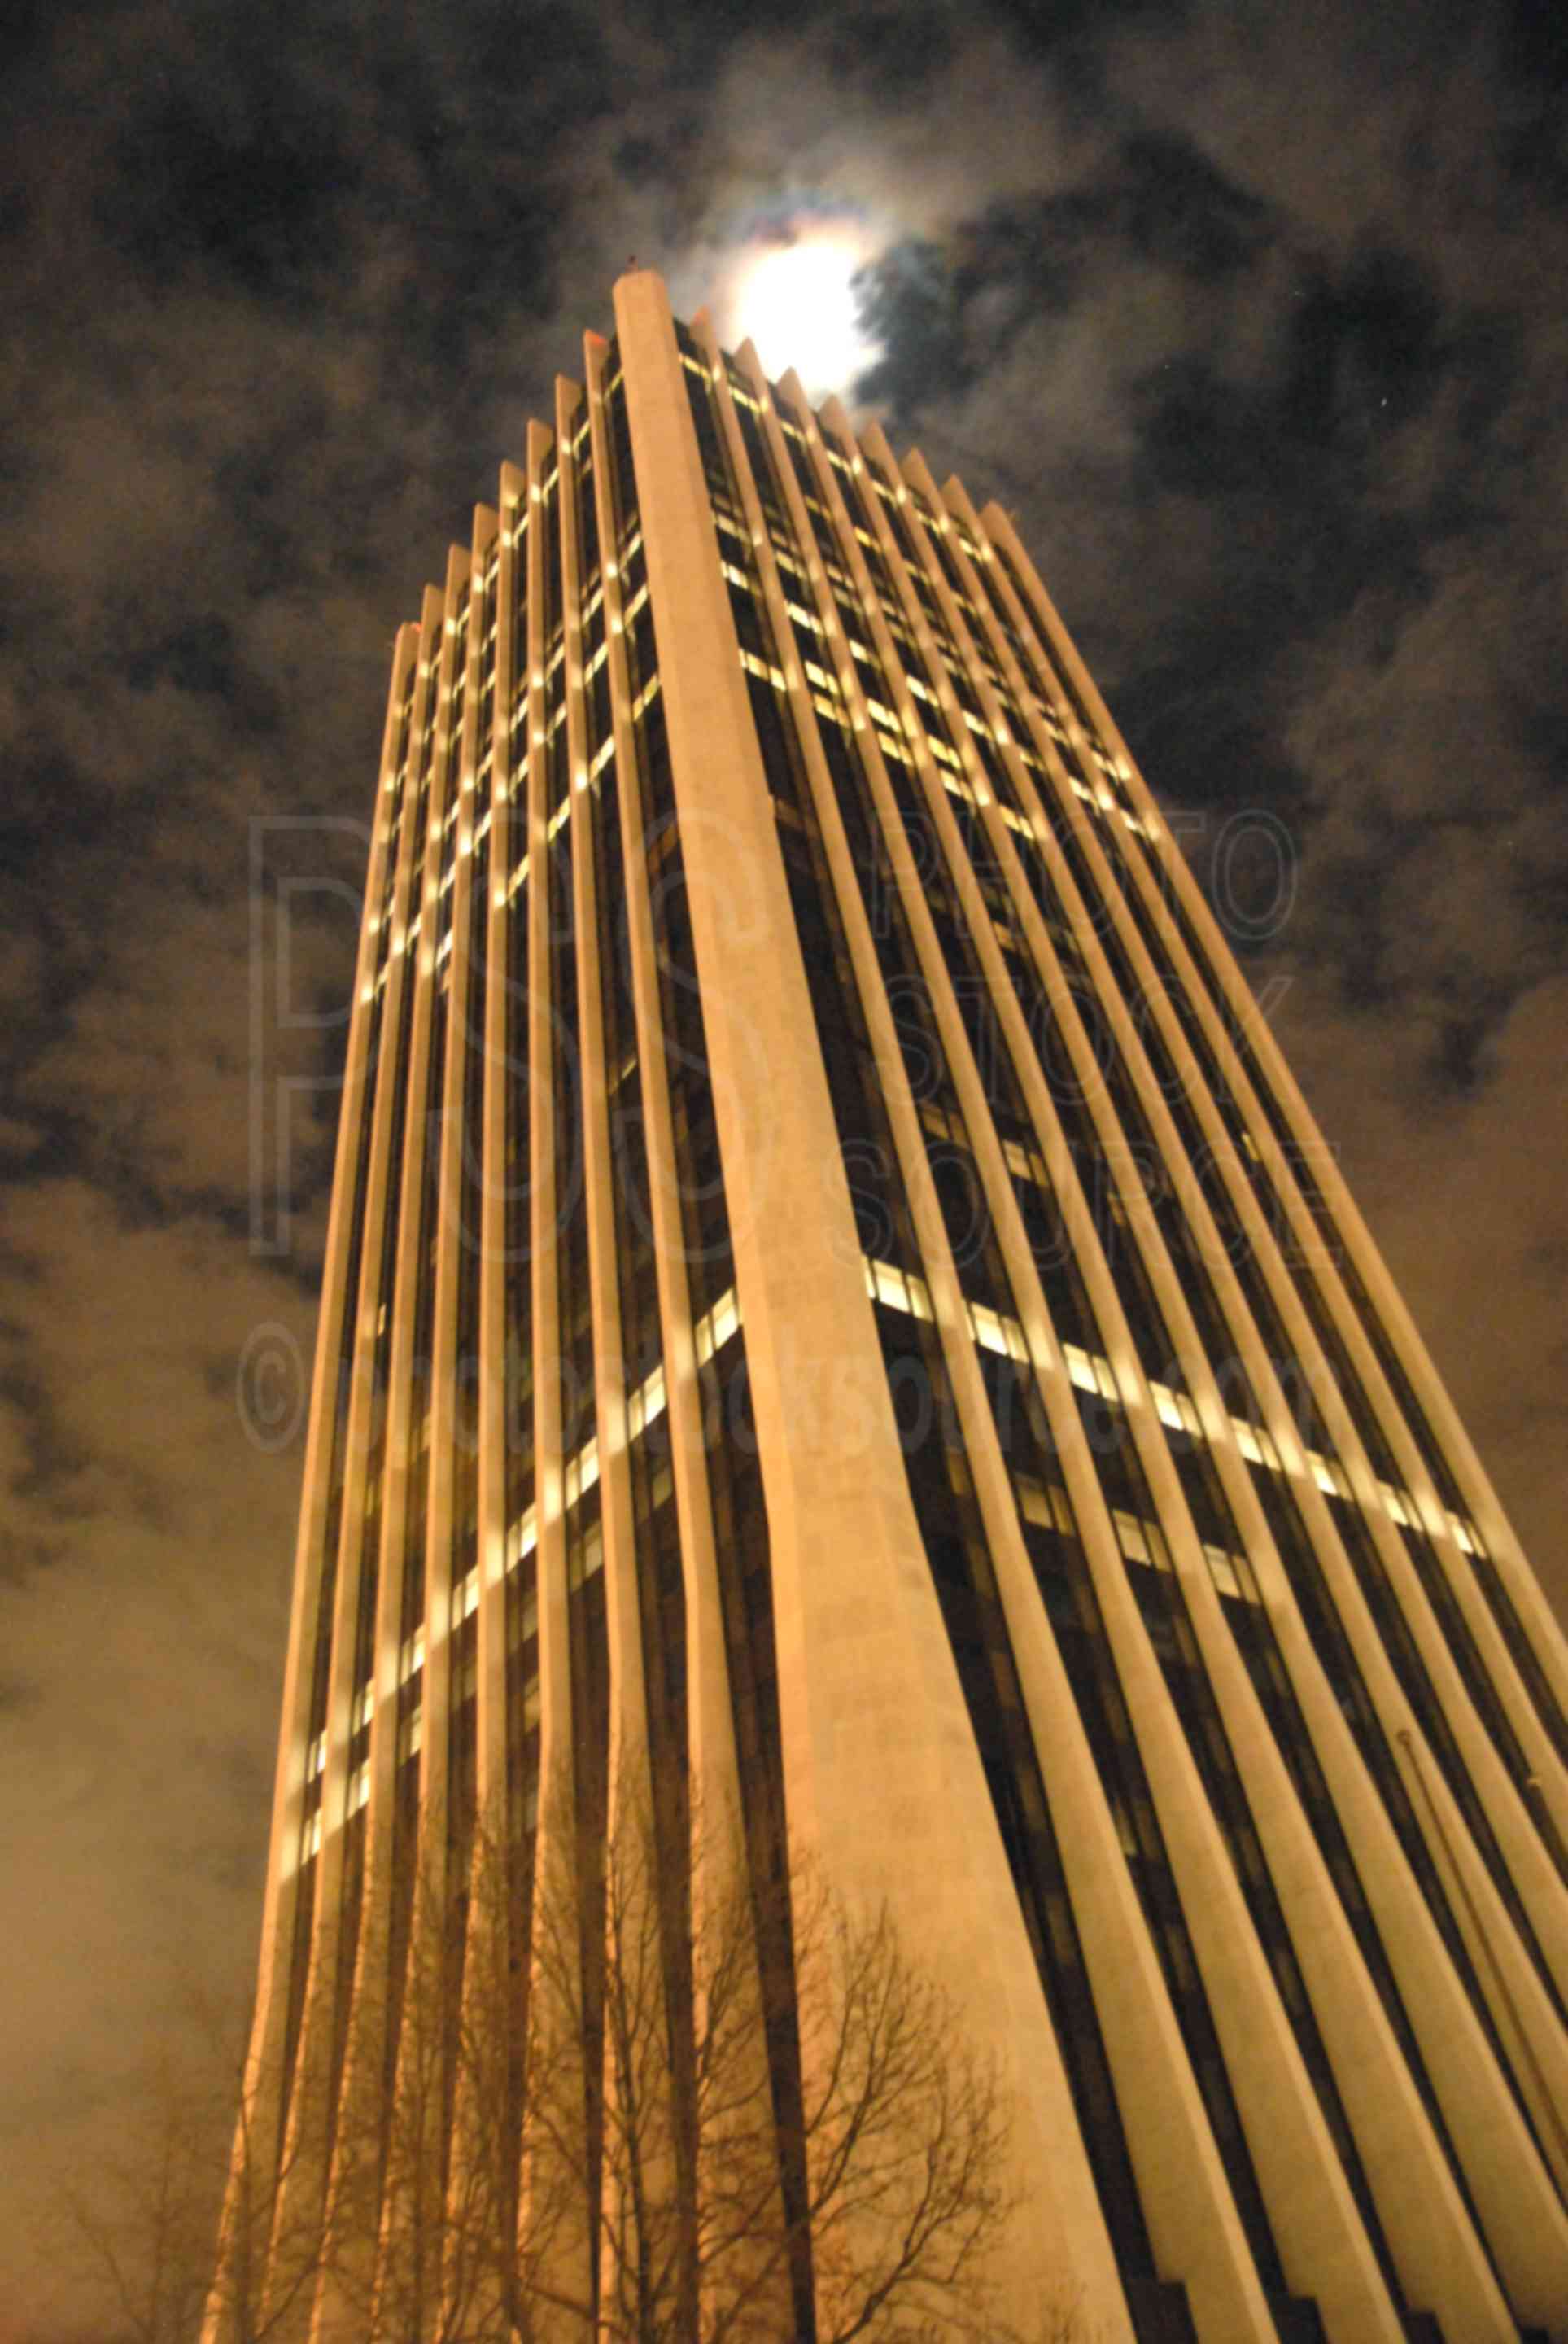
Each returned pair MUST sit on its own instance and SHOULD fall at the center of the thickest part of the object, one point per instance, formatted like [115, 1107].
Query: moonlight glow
[795, 303]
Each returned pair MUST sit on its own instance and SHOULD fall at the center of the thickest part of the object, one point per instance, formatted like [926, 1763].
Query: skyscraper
[830, 1284]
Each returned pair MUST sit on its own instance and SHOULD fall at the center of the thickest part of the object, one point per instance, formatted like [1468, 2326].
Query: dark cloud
[1532, 48]
[911, 305]
[17, 1694]
[1333, 437]
[1175, 207]
[1063, 35]
[945, 312]
[905, 47]
[255, 188]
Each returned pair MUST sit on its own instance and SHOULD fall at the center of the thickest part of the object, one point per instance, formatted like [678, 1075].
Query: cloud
[1252, 317]
[145, 1596]
[1300, 438]
[1466, 1197]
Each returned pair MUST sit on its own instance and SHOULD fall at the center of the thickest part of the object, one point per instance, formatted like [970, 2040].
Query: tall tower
[830, 1285]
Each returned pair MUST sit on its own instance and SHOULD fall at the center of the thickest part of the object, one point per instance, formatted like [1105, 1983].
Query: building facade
[831, 1285]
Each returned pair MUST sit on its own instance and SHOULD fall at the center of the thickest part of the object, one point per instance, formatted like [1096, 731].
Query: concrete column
[628, 1690]
[500, 1078]
[881, 1778]
[263, 2080]
[1539, 1884]
[1540, 1622]
[556, 1850]
[1194, 2229]
[1519, 2005]
[1522, 2213]
[1440, 2259]
[549, 1470]
[710, 1718]
[365, 2050]
[1321, 2244]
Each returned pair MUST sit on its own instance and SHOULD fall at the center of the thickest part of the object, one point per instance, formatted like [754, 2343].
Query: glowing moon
[795, 303]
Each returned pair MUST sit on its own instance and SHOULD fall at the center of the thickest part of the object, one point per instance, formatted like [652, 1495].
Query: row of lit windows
[644, 1407]
[449, 690]
[995, 1331]
[889, 732]
[1329, 1475]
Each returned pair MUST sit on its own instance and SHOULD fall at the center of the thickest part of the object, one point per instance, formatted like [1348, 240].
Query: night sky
[1254, 317]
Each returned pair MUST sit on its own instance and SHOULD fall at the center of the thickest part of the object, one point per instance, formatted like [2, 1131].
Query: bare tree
[174, 2234]
[425, 2244]
[650, 2089]
[785, 2104]
[146, 2224]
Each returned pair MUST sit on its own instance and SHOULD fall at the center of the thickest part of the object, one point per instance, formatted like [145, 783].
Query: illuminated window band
[644, 1407]
[902, 1290]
